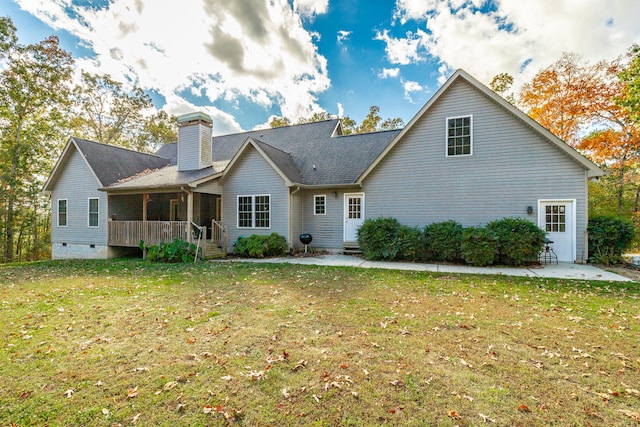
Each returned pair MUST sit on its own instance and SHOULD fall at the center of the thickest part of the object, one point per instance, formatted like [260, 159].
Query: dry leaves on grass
[633, 415]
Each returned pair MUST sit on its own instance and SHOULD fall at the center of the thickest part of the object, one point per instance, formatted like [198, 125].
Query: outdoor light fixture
[335, 194]
[529, 210]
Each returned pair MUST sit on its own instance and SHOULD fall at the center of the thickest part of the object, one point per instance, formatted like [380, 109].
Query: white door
[353, 215]
[557, 219]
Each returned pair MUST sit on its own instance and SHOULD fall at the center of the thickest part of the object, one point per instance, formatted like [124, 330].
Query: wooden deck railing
[130, 233]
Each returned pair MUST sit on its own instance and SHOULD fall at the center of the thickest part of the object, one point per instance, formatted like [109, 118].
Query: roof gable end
[592, 169]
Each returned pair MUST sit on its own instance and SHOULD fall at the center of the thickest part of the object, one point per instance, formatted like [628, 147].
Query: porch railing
[130, 233]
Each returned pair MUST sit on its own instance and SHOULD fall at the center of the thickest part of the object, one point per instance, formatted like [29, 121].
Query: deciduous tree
[34, 99]
[109, 112]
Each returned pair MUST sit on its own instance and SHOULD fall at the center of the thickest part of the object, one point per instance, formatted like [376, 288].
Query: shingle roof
[112, 164]
[168, 176]
[319, 157]
[308, 154]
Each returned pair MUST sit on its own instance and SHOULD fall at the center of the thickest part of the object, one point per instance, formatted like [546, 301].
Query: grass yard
[126, 342]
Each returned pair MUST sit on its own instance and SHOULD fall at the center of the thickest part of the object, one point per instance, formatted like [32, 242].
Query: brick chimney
[194, 141]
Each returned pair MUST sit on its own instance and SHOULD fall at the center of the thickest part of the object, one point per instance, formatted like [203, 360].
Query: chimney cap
[196, 117]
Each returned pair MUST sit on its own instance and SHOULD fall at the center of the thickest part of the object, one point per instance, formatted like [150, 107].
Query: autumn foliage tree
[584, 105]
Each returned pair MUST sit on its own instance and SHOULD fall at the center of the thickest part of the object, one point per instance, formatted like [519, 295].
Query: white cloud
[518, 37]
[340, 110]
[311, 7]
[343, 35]
[410, 87]
[387, 73]
[406, 50]
[219, 49]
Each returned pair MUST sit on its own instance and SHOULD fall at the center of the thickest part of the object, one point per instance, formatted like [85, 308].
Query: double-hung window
[62, 212]
[459, 136]
[320, 205]
[254, 211]
[93, 212]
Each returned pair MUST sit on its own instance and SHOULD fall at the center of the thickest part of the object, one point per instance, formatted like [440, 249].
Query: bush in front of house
[411, 243]
[170, 252]
[258, 246]
[519, 240]
[479, 246]
[378, 238]
[443, 240]
[609, 236]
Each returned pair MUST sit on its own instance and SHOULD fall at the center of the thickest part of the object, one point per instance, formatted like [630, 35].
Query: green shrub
[443, 240]
[411, 244]
[519, 240]
[378, 237]
[479, 246]
[176, 251]
[257, 246]
[609, 236]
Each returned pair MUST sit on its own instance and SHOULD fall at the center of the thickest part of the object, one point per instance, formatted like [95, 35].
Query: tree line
[595, 108]
[40, 108]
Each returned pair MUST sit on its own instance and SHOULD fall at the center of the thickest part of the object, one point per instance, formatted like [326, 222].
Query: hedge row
[508, 241]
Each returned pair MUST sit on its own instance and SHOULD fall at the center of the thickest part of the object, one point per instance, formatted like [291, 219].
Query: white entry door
[557, 219]
[353, 215]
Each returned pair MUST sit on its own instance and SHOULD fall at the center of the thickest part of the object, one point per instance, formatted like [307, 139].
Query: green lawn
[127, 342]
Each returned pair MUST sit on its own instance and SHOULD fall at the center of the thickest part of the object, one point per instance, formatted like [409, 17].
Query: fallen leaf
[453, 414]
[132, 392]
[485, 418]
[633, 415]
[524, 408]
[105, 411]
[170, 385]
[207, 409]
[226, 378]
[69, 393]
[396, 383]
[180, 407]
[135, 419]
[285, 393]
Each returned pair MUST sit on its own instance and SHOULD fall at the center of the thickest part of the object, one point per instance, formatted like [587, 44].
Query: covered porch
[164, 216]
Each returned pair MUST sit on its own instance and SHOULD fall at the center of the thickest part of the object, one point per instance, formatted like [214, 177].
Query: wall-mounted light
[335, 194]
[529, 210]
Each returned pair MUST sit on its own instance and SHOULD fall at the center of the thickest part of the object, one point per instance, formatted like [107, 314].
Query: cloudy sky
[244, 61]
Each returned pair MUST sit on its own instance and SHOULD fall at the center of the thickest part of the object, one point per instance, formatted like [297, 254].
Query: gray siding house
[467, 155]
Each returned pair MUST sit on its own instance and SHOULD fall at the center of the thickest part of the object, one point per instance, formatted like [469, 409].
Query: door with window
[557, 219]
[353, 215]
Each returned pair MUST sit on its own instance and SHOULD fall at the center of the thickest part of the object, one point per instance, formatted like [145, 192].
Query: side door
[353, 215]
[557, 219]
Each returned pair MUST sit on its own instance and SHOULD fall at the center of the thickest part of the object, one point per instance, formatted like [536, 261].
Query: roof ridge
[111, 146]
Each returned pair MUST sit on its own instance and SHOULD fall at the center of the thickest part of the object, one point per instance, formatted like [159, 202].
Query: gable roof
[592, 169]
[318, 154]
[108, 163]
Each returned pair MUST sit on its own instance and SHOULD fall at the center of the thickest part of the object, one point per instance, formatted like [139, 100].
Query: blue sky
[244, 61]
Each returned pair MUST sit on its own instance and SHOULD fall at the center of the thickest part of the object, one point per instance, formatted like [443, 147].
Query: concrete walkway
[560, 271]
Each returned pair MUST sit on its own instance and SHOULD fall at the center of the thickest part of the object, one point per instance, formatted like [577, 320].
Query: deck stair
[351, 248]
[213, 251]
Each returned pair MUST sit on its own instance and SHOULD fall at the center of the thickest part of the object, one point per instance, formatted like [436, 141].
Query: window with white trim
[459, 136]
[254, 211]
[93, 211]
[320, 205]
[62, 212]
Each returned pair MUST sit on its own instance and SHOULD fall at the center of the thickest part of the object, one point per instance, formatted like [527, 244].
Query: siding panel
[77, 184]
[252, 175]
[512, 167]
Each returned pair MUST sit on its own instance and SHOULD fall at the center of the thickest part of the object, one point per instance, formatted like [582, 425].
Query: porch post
[145, 201]
[189, 212]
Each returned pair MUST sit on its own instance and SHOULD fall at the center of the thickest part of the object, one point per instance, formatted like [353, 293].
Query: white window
[254, 211]
[459, 136]
[93, 212]
[62, 212]
[320, 205]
